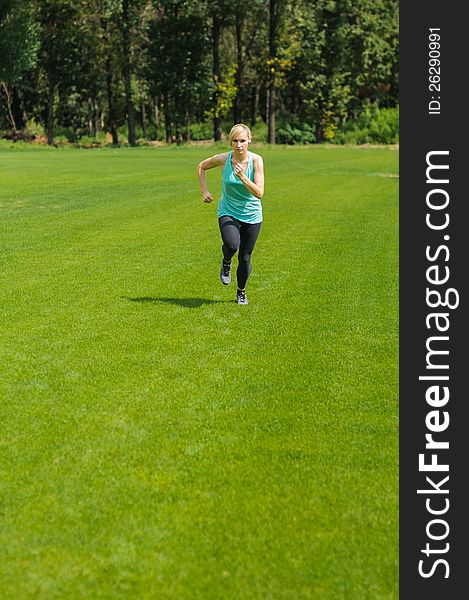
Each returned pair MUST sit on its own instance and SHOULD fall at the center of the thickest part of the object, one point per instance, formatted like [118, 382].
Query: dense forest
[125, 71]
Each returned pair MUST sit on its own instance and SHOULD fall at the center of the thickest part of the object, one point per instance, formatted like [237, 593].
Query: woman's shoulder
[223, 157]
[255, 157]
[217, 159]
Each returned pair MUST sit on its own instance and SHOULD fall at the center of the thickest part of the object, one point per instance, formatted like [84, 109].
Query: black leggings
[240, 236]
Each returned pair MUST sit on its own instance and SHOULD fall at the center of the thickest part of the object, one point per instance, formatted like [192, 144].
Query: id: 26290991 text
[434, 71]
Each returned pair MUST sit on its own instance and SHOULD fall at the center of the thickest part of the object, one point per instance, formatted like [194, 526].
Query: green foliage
[224, 90]
[73, 114]
[331, 58]
[373, 126]
[91, 140]
[371, 35]
[177, 62]
[19, 39]
[201, 131]
[299, 133]
[35, 128]
[341, 53]
[259, 131]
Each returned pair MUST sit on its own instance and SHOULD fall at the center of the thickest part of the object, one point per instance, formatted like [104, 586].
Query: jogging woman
[240, 208]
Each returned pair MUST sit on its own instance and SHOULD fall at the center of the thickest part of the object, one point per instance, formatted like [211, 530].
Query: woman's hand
[256, 187]
[207, 196]
[239, 171]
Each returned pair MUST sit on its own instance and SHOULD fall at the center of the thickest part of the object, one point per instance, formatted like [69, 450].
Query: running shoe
[225, 273]
[241, 297]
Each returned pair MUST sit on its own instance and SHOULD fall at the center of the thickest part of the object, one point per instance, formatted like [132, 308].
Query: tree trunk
[319, 134]
[96, 119]
[156, 114]
[237, 116]
[295, 101]
[127, 73]
[255, 103]
[8, 97]
[91, 128]
[271, 106]
[144, 117]
[24, 114]
[216, 75]
[217, 129]
[167, 119]
[186, 134]
[111, 103]
[50, 112]
[90, 117]
[273, 31]
[156, 111]
[168, 129]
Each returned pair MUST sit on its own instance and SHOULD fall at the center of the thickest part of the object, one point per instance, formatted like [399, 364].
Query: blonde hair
[237, 129]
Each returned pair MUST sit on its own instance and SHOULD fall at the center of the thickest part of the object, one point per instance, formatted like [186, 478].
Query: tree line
[161, 67]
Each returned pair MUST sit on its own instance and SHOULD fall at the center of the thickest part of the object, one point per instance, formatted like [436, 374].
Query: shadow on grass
[185, 302]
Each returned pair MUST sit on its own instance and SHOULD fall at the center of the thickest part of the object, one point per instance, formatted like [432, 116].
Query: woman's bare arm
[209, 163]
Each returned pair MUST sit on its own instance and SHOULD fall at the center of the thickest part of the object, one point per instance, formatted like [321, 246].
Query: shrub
[301, 133]
[373, 126]
[201, 131]
[259, 131]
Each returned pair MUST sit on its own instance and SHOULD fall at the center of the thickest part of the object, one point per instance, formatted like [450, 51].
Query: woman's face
[240, 141]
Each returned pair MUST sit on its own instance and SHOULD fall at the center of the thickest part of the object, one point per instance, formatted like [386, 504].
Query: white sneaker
[241, 297]
[225, 273]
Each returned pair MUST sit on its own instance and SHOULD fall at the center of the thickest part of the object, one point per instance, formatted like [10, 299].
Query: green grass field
[160, 441]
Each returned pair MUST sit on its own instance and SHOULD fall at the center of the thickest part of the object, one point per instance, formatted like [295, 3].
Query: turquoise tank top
[236, 200]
